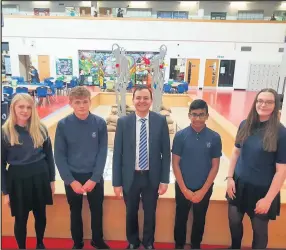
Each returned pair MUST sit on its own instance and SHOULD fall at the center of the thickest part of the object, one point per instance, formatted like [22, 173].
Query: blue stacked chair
[59, 85]
[8, 90]
[167, 88]
[181, 89]
[22, 90]
[42, 92]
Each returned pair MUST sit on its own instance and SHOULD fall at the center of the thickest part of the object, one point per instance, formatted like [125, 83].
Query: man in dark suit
[141, 165]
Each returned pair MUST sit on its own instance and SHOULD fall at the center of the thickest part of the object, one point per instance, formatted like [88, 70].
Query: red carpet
[57, 103]
[10, 242]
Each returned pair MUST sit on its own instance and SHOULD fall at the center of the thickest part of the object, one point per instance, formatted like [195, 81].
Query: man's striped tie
[143, 152]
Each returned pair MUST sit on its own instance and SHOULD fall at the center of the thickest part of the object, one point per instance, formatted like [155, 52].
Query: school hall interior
[221, 52]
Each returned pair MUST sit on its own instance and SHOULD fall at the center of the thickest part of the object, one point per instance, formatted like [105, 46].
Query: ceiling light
[238, 4]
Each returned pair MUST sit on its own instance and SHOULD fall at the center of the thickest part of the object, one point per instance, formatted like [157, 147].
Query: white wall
[204, 40]
[283, 111]
[282, 77]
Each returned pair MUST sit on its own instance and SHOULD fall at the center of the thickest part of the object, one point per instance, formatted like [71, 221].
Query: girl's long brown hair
[270, 135]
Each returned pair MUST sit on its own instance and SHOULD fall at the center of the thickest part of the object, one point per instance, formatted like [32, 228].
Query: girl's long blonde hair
[36, 129]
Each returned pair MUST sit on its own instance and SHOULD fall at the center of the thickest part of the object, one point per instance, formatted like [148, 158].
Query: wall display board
[64, 67]
[100, 64]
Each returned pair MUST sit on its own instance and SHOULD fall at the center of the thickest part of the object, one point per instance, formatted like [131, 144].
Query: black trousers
[95, 201]
[183, 207]
[259, 226]
[141, 188]
[20, 226]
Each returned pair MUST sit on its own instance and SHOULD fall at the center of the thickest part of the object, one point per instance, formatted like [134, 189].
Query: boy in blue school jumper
[80, 155]
[196, 156]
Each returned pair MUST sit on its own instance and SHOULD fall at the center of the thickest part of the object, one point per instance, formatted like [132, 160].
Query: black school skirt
[247, 195]
[28, 187]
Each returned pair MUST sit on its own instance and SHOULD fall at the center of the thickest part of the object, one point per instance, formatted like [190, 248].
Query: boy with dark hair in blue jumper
[80, 155]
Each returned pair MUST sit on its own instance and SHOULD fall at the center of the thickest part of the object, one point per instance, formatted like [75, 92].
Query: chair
[22, 90]
[7, 98]
[71, 85]
[47, 81]
[8, 90]
[49, 78]
[42, 92]
[181, 89]
[186, 86]
[52, 93]
[167, 88]
[21, 79]
[59, 84]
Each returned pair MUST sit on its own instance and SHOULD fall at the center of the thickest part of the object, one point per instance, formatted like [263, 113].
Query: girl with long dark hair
[257, 170]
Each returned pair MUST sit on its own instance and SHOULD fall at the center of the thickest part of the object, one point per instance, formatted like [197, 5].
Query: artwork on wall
[41, 11]
[64, 67]
[140, 66]
[101, 64]
[72, 11]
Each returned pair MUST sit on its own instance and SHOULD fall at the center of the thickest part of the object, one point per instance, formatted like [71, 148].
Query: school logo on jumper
[93, 135]
[208, 144]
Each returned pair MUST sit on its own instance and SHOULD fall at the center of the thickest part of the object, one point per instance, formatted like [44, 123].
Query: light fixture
[137, 3]
[283, 5]
[238, 5]
[85, 4]
[41, 3]
[188, 3]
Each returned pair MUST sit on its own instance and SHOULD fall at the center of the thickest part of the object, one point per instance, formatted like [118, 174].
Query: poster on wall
[41, 11]
[64, 67]
[7, 63]
[101, 64]
[72, 11]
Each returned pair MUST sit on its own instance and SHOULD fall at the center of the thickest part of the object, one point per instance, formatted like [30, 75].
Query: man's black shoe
[99, 244]
[78, 246]
[149, 247]
[40, 246]
[132, 246]
[179, 246]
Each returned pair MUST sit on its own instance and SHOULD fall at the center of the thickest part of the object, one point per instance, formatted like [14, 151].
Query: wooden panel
[211, 72]
[216, 228]
[195, 71]
[44, 67]
[169, 100]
